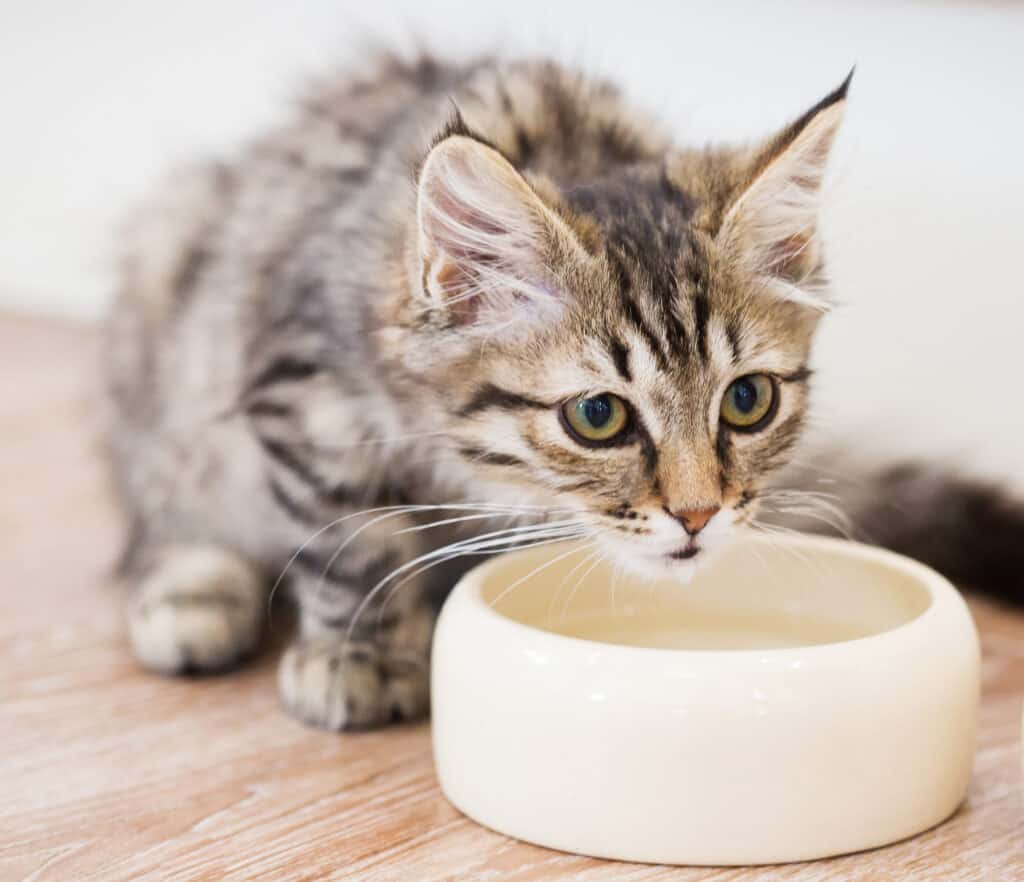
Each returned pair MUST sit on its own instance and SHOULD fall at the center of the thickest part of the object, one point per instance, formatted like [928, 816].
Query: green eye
[749, 402]
[596, 420]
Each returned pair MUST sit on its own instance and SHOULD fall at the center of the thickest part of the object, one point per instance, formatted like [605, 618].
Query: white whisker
[579, 583]
[497, 541]
[420, 527]
[499, 513]
[542, 566]
[557, 592]
[396, 509]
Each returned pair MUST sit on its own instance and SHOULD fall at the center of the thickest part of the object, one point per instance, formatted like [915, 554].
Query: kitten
[493, 288]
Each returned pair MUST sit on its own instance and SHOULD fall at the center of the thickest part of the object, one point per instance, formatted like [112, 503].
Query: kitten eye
[749, 403]
[596, 420]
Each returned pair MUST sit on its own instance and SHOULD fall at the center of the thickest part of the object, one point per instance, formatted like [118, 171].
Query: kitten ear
[773, 222]
[485, 237]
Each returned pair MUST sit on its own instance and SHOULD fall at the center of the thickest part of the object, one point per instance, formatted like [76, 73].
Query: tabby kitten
[494, 288]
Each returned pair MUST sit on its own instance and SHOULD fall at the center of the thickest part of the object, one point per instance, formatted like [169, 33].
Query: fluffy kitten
[533, 307]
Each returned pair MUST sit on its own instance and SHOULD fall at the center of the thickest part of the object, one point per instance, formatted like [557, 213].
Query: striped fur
[385, 303]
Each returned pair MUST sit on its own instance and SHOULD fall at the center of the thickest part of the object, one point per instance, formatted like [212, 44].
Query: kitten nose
[695, 520]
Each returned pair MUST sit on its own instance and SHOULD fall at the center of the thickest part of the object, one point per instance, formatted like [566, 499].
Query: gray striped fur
[275, 362]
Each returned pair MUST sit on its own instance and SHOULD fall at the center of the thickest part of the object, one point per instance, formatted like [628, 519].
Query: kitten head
[633, 347]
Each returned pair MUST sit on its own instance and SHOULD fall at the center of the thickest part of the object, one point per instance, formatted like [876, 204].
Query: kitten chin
[663, 564]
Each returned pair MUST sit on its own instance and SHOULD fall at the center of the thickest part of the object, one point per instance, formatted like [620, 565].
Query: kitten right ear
[485, 237]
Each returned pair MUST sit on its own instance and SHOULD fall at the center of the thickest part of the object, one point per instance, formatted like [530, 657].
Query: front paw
[200, 610]
[336, 685]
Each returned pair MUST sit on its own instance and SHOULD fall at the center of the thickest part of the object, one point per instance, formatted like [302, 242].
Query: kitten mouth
[686, 553]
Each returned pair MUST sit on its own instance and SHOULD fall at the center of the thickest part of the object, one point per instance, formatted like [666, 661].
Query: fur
[342, 357]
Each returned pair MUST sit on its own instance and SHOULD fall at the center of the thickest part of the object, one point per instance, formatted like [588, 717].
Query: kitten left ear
[773, 222]
[486, 239]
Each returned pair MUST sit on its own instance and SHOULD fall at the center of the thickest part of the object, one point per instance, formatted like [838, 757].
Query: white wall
[926, 229]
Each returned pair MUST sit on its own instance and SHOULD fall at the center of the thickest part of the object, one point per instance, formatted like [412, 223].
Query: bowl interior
[759, 594]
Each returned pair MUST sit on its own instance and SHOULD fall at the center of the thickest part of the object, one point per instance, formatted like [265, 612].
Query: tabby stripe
[366, 575]
[286, 458]
[361, 655]
[188, 272]
[636, 319]
[524, 144]
[565, 458]
[562, 106]
[264, 408]
[649, 451]
[288, 368]
[674, 331]
[286, 502]
[782, 437]
[369, 629]
[306, 302]
[353, 174]
[734, 342]
[620, 355]
[339, 621]
[490, 457]
[389, 621]
[317, 564]
[586, 484]
[618, 270]
[489, 396]
[724, 457]
[339, 494]
[798, 376]
[701, 315]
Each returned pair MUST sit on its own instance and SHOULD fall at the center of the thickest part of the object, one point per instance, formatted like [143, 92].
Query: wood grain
[108, 773]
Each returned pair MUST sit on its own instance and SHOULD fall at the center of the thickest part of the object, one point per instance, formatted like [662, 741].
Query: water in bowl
[704, 629]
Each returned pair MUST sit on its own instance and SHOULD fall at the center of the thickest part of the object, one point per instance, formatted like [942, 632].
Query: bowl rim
[942, 596]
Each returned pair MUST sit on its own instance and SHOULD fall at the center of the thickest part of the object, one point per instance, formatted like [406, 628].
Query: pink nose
[695, 520]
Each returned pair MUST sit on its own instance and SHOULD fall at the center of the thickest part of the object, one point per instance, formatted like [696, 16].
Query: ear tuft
[773, 222]
[456, 126]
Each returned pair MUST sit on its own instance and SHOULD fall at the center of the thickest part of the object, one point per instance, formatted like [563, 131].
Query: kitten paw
[406, 688]
[200, 610]
[337, 686]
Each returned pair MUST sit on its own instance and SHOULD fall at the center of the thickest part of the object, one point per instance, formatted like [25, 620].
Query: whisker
[544, 535]
[397, 509]
[500, 513]
[420, 527]
[549, 616]
[811, 504]
[393, 590]
[776, 533]
[543, 566]
[320, 532]
[579, 582]
[617, 572]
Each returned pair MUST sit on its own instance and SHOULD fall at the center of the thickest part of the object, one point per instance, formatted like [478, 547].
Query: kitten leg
[376, 672]
[199, 608]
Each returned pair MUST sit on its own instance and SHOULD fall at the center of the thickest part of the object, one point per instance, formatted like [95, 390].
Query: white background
[926, 223]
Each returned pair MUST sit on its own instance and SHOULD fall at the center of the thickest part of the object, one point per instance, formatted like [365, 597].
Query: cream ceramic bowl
[799, 699]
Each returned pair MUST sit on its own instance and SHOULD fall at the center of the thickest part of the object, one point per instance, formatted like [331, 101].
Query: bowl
[800, 698]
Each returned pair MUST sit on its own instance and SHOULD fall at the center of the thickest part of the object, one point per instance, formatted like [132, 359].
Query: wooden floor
[109, 773]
